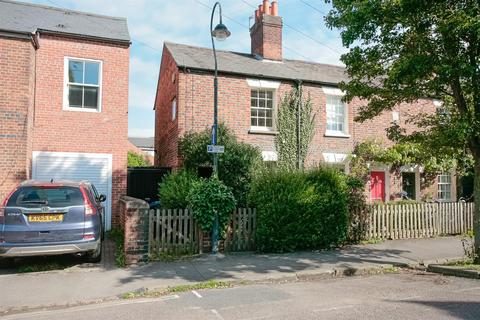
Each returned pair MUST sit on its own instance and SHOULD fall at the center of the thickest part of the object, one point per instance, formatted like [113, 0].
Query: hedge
[300, 210]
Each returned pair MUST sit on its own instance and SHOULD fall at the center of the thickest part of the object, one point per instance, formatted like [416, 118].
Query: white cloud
[140, 132]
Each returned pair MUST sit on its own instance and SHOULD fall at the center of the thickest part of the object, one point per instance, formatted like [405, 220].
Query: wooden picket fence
[175, 231]
[419, 220]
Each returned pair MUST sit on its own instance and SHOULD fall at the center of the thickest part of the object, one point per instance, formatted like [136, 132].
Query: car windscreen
[53, 197]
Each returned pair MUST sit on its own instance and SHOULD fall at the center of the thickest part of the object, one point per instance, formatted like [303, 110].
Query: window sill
[267, 132]
[337, 135]
[81, 109]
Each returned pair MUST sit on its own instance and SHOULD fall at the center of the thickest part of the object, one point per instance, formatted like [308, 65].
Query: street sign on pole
[215, 149]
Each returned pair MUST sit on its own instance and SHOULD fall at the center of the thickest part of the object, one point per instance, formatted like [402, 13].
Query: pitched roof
[26, 18]
[142, 142]
[246, 64]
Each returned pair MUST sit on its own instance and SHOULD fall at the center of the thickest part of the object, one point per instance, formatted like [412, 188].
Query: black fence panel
[142, 182]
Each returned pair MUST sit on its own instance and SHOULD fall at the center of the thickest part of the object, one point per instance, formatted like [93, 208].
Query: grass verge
[118, 237]
[465, 264]
[211, 284]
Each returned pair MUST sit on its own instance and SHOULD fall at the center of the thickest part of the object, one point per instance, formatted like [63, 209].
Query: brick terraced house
[63, 98]
[250, 87]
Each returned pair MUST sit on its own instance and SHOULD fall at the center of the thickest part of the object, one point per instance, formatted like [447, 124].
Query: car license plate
[45, 218]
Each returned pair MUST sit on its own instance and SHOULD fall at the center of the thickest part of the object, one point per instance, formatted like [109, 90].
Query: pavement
[410, 295]
[87, 284]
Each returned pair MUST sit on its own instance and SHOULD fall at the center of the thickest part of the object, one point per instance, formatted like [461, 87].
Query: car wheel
[96, 255]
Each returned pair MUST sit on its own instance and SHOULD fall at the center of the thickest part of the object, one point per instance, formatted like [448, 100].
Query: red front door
[377, 186]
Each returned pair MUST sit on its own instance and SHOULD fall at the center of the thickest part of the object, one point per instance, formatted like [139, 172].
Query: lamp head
[221, 32]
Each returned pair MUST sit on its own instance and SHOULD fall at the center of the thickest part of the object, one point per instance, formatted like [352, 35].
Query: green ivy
[208, 198]
[295, 126]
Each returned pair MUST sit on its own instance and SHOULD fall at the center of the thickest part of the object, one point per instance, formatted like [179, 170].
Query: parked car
[39, 218]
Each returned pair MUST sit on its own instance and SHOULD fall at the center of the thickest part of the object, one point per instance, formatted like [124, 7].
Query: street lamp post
[220, 33]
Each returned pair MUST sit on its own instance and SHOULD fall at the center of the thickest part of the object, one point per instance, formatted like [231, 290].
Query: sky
[151, 22]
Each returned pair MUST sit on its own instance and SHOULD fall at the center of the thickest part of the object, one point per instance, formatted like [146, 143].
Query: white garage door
[96, 168]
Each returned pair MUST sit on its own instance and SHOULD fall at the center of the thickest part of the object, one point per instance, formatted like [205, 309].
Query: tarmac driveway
[62, 262]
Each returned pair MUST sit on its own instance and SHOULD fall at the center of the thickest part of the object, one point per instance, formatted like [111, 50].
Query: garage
[94, 167]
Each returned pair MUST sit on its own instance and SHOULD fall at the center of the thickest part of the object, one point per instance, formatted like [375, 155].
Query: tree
[236, 165]
[403, 51]
[295, 125]
[137, 160]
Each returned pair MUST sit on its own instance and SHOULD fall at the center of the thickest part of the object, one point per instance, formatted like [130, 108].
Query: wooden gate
[175, 231]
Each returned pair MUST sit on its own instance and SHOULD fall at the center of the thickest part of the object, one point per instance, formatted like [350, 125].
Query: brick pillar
[134, 219]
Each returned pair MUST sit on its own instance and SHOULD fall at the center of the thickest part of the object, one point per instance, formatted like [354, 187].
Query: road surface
[409, 295]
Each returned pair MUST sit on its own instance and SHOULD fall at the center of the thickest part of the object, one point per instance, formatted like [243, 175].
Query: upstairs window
[261, 112]
[174, 109]
[82, 84]
[444, 183]
[337, 116]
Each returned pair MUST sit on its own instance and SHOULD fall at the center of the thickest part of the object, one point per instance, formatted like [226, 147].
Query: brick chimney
[266, 33]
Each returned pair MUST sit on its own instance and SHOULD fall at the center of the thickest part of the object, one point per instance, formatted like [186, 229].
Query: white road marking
[197, 294]
[468, 289]
[408, 298]
[215, 312]
[89, 307]
[334, 308]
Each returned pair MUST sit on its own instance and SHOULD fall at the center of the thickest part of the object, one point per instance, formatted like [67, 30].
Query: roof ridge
[251, 55]
[27, 4]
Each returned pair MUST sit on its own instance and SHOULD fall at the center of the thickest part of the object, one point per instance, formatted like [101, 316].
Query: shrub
[300, 210]
[174, 189]
[358, 210]
[236, 165]
[208, 197]
[136, 160]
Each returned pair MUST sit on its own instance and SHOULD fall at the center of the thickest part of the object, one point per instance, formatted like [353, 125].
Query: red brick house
[63, 98]
[250, 86]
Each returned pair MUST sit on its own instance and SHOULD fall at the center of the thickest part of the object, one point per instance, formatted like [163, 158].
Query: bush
[208, 197]
[358, 210]
[236, 165]
[136, 160]
[174, 189]
[300, 210]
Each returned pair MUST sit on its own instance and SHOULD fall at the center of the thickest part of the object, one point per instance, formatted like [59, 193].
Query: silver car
[50, 218]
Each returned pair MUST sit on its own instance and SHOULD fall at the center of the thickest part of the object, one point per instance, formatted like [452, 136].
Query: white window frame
[449, 184]
[335, 92]
[174, 109]
[256, 84]
[66, 104]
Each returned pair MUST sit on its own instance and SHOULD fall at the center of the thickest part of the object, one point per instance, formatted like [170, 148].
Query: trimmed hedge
[300, 210]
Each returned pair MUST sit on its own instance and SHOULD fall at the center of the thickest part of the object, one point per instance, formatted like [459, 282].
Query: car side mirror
[102, 198]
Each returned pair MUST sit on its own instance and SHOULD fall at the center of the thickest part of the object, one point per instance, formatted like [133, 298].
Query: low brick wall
[134, 220]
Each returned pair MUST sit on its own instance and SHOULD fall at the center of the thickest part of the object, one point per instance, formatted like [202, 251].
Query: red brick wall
[195, 112]
[266, 37]
[166, 129]
[58, 130]
[16, 105]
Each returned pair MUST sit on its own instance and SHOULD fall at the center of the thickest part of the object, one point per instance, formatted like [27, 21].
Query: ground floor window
[444, 182]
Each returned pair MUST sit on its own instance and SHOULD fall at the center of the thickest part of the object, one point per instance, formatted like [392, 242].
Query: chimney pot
[257, 14]
[274, 8]
[260, 8]
[266, 6]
